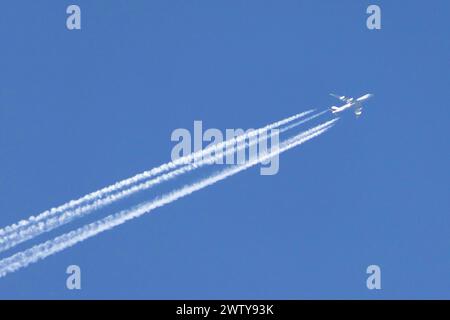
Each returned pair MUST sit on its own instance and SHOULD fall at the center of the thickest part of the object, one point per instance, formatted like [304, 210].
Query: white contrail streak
[141, 176]
[41, 251]
[32, 230]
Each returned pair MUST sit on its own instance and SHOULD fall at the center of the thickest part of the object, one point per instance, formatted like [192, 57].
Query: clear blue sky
[82, 109]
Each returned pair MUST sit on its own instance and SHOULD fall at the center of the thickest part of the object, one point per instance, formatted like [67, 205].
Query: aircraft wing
[342, 98]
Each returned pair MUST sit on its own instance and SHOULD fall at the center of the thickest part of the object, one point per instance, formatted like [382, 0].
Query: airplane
[350, 103]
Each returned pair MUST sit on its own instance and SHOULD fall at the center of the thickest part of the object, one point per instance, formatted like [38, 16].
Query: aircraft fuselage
[352, 103]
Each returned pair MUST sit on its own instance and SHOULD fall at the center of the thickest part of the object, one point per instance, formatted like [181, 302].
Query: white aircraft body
[350, 103]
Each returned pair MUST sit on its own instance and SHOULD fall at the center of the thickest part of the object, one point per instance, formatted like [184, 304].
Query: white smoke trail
[30, 231]
[139, 177]
[295, 124]
[41, 251]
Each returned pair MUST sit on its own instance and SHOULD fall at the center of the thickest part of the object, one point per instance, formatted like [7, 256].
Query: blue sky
[82, 109]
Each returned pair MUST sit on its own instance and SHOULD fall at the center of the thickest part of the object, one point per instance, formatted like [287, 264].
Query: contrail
[29, 231]
[43, 250]
[141, 176]
[295, 124]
